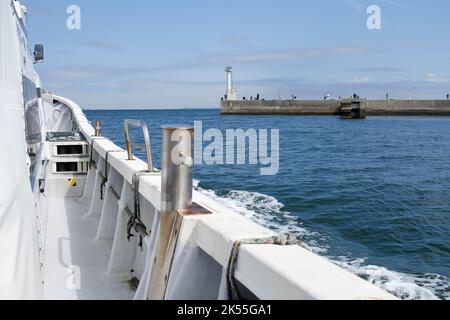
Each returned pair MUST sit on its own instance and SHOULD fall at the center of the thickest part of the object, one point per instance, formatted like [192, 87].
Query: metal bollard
[176, 200]
[176, 184]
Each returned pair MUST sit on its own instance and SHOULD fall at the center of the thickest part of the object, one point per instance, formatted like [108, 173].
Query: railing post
[98, 128]
[176, 199]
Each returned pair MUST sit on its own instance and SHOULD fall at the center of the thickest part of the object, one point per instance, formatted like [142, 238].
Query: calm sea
[371, 195]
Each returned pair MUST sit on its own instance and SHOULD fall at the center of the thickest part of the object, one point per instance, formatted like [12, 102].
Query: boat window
[32, 114]
[67, 167]
[70, 150]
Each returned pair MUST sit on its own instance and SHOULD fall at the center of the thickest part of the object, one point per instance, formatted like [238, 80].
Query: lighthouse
[231, 92]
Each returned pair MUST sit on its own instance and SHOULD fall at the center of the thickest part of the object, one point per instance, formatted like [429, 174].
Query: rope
[135, 220]
[284, 239]
[91, 154]
[105, 177]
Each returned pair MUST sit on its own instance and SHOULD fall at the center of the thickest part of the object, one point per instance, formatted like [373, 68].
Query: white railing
[268, 271]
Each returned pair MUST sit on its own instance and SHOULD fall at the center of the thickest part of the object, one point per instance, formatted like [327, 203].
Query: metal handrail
[148, 146]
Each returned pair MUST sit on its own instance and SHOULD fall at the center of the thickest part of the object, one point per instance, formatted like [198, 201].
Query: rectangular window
[70, 150]
[67, 167]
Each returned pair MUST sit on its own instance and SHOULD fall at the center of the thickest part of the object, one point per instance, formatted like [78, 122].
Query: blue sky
[172, 54]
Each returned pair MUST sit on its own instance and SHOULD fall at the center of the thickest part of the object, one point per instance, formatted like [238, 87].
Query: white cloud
[235, 40]
[104, 45]
[358, 80]
[361, 5]
[434, 78]
[285, 55]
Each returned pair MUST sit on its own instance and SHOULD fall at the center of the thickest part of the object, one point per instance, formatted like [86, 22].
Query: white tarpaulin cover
[57, 117]
[19, 256]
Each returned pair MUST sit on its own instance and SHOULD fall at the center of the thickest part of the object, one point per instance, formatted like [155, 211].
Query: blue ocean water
[371, 195]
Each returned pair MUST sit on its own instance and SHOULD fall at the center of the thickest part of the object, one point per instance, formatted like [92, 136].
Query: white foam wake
[402, 285]
[267, 211]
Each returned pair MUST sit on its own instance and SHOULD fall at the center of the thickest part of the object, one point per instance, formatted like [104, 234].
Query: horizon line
[147, 109]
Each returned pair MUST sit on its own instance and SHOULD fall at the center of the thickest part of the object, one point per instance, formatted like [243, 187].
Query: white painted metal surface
[19, 264]
[70, 246]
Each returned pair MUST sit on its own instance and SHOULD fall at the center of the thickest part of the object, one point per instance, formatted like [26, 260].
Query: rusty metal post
[98, 128]
[147, 143]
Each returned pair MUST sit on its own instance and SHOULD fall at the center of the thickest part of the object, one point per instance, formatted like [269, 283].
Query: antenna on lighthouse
[231, 92]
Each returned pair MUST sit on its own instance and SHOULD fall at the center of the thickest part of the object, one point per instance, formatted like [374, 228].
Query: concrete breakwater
[336, 107]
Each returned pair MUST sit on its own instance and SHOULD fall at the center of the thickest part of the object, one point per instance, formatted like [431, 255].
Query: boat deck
[71, 242]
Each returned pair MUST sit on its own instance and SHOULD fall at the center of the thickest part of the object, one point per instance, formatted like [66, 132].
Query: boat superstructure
[19, 89]
[98, 223]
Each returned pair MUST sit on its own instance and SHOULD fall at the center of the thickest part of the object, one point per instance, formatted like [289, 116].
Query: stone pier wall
[332, 107]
